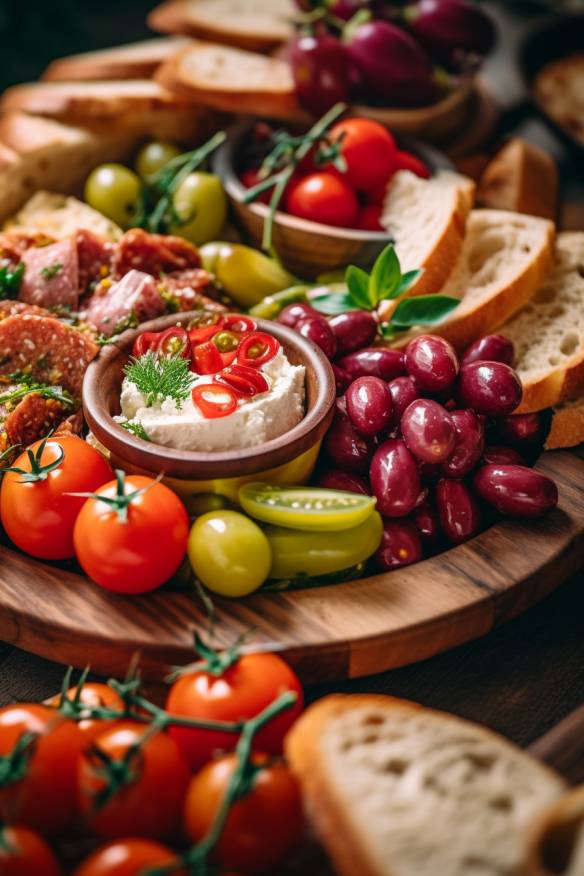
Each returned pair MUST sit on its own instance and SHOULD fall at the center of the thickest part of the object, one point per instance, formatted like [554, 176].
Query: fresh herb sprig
[158, 378]
[136, 429]
[10, 281]
[28, 387]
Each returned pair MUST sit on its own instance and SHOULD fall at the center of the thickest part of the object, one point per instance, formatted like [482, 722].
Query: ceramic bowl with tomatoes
[327, 219]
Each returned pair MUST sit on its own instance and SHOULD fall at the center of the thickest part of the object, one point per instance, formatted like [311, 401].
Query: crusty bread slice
[521, 177]
[38, 153]
[59, 216]
[131, 61]
[394, 789]
[559, 88]
[427, 220]
[567, 429]
[548, 333]
[232, 80]
[139, 106]
[258, 25]
[555, 840]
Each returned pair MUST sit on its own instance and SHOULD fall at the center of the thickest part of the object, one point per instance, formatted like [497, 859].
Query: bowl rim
[207, 465]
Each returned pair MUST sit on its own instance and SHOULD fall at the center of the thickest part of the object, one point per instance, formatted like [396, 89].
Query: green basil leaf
[332, 303]
[422, 310]
[385, 277]
[357, 281]
[407, 281]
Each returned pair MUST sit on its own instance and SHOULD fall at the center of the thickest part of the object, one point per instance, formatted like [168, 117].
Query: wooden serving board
[327, 633]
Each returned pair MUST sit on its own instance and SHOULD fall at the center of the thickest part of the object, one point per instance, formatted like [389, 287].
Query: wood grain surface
[348, 630]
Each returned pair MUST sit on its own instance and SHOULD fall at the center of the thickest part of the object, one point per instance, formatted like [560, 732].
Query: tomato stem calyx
[213, 661]
[122, 500]
[38, 471]
[14, 766]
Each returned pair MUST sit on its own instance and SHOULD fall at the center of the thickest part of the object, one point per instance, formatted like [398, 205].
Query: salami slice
[12, 308]
[155, 254]
[32, 418]
[112, 303]
[51, 275]
[14, 244]
[94, 257]
[47, 349]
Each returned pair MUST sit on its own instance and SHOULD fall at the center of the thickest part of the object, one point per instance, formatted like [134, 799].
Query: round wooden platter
[327, 633]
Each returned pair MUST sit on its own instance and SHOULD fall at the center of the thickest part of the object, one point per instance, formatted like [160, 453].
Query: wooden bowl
[306, 248]
[288, 458]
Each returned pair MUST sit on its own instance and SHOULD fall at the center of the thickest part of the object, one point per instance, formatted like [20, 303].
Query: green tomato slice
[296, 553]
[307, 508]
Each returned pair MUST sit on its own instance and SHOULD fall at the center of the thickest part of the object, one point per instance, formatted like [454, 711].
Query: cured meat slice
[190, 290]
[155, 254]
[46, 349]
[11, 308]
[32, 418]
[113, 303]
[51, 275]
[94, 257]
[13, 244]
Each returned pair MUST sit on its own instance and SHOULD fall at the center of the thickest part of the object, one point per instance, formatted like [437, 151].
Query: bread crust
[567, 428]
[552, 829]
[132, 61]
[521, 177]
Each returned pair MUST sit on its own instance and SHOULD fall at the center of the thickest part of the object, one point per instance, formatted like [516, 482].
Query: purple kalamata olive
[346, 448]
[374, 362]
[369, 405]
[342, 379]
[353, 330]
[515, 490]
[468, 444]
[401, 545]
[343, 480]
[490, 348]
[404, 391]
[446, 28]
[428, 430]
[425, 518]
[293, 313]
[429, 471]
[394, 477]
[432, 362]
[490, 388]
[319, 67]
[317, 330]
[523, 429]
[493, 454]
[458, 510]
[341, 405]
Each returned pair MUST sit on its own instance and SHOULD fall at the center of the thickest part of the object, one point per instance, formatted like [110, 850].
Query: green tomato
[309, 508]
[153, 156]
[200, 203]
[246, 274]
[296, 553]
[229, 553]
[114, 190]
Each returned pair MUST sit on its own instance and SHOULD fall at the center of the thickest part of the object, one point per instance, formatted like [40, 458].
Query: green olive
[246, 274]
[114, 190]
[153, 156]
[200, 203]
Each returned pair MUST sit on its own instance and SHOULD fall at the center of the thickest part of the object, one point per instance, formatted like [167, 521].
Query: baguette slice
[258, 25]
[427, 220]
[394, 789]
[131, 61]
[548, 333]
[59, 216]
[567, 429]
[232, 80]
[521, 177]
[555, 841]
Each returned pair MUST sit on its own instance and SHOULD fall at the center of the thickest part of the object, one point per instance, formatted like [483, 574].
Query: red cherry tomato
[238, 693]
[369, 218]
[242, 325]
[244, 381]
[323, 197]
[369, 152]
[250, 178]
[128, 857]
[407, 161]
[207, 359]
[24, 853]
[214, 401]
[257, 349]
[144, 343]
[174, 342]
[93, 694]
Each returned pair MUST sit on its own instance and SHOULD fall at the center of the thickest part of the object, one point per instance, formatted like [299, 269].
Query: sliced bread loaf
[59, 216]
[394, 789]
[130, 61]
[555, 841]
[257, 25]
[567, 429]
[548, 333]
[427, 220]
[521, 177]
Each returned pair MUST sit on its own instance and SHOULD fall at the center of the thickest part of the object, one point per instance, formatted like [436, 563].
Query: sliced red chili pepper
[213, 400]
[244, 381]
[145, 342]
[234, 322]
[200, 335]
[174, 342]
[203, 326]
[257, 349]
[228, 358]
[206, 359]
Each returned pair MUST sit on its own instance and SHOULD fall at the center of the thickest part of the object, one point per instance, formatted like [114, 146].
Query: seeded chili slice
[245, 382]
[204, 326]
[242, 325]
[257, 349]
[145, 342]
[174, 342]
[213, 400]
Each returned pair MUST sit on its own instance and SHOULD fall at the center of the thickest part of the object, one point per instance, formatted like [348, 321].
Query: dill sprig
[158, 378]
[136, 429]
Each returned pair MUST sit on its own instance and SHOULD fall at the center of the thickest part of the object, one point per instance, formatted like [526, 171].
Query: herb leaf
[159, 378]
[51, 271]
[28, 387]
[358, 281]
[422, 310]
[136, 429]
[10, 281]
[332, 303]
[386, 277]
[407, 281]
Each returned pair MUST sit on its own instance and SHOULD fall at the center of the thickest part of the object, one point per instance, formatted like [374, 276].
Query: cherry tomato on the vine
[369, 151]
[24, 853]
[93, 693]
[323, 197]
[127, 857]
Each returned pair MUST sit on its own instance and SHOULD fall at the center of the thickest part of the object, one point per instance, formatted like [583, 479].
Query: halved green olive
[308, 508]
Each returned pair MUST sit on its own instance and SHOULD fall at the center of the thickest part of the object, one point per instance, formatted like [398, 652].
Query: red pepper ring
[213, 400]
[207, 359]
[144, 343]
[257, 349]
[241, 325]
[204, 326]
[245, 382]
[205, 333]
[174, 342]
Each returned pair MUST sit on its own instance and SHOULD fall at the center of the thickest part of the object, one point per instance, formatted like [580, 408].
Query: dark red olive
[353, 330]
[403, 392]
[429, 471]
[490, 348]
[374, 362]
[469, 441]
[394, 477]
[490, 388]
[369, 405]
[428, 430]
[401, 544]
[521, 429]
[319, 67]
[446, 28]
[515, 490]
[342, 379]
[293, 313]
[458, 510]
[343, 480]
[494, 454]
[346, 448]
[317, 330]
[432, 362]
[425, 518]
